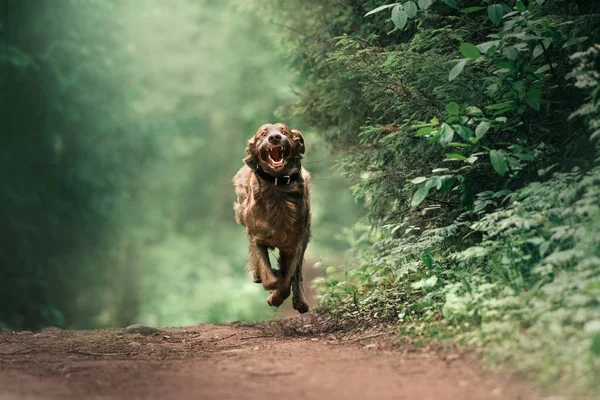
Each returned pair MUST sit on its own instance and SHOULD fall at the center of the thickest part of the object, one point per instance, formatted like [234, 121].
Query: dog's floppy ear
[252, 159]
[299, 139]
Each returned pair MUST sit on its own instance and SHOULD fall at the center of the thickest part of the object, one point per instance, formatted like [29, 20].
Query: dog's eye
[263, 134]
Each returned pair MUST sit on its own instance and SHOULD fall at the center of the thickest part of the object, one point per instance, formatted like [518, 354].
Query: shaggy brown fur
[275, 216]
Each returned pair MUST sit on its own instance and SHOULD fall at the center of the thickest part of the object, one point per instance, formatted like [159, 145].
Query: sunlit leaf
[488, 47]
[418, 180]
[499, 162]
[455, 156]
[424, 4]
[381, 8]
[447, 135]
[399, 17]
[419, 196]
[425, 131]
[457, 69]
[482, 129]
[474, 111]
[411, 9]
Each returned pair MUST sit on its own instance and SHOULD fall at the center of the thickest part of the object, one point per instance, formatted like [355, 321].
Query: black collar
[278, 180]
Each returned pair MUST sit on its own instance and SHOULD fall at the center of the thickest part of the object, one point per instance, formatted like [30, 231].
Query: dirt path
[294, 359]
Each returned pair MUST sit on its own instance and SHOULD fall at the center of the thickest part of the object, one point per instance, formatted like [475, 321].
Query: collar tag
[280, 180]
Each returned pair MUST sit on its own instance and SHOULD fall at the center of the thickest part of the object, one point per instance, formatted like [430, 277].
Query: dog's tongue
[276, 154]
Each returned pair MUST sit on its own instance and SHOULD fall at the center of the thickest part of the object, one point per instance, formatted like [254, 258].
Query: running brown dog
[273, 203]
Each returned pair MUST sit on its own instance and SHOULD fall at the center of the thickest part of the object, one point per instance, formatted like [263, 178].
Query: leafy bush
[470, 131]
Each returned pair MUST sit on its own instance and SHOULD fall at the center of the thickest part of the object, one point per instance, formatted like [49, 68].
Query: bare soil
[299, 358]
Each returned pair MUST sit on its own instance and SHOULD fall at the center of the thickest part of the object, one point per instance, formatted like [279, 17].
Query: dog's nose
[275, 138]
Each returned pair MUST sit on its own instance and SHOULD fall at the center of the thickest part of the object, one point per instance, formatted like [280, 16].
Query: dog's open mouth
[275, 156]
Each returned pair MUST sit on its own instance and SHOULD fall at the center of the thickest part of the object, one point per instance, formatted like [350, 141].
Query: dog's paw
[300, 306]
[274, 300]
[270, 284]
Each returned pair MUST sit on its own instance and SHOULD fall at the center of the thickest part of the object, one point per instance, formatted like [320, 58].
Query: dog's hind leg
[261, 266]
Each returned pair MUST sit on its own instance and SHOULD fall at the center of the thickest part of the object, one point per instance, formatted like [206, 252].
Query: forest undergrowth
[470, 131]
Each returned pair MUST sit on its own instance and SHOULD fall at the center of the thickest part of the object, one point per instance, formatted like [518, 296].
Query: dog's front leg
[287, 266]
[298, 300]
[261, 266]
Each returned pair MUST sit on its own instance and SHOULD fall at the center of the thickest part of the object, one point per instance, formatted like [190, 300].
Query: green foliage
[466, 228]
[123, 124]
[529, 287]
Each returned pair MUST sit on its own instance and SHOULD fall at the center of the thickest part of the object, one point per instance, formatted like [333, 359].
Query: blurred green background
[122, 125]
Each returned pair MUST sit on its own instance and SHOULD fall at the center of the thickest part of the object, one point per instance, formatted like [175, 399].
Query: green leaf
[488, 47]
[419, 179]
[533, 97]
[399, 17]
[469, 50]
[537, 51]
[574, 41]
[427, 259]
[543, 68]
[499, 106]
[468, 197]
[499, 162]
[381, 8]
[511, 53]
[456, 156]
[482, 129]
[433, 181]
[411, 9]
[424, 4]
[474, 112]
[447, 184]
[425, 131]
[419, 196]
[464, 132]
[495, 13]
[447, 135]
[451, 3]
[457, 69]
[460, 145]
[469, 10]
[520, 6]
[452, 108]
